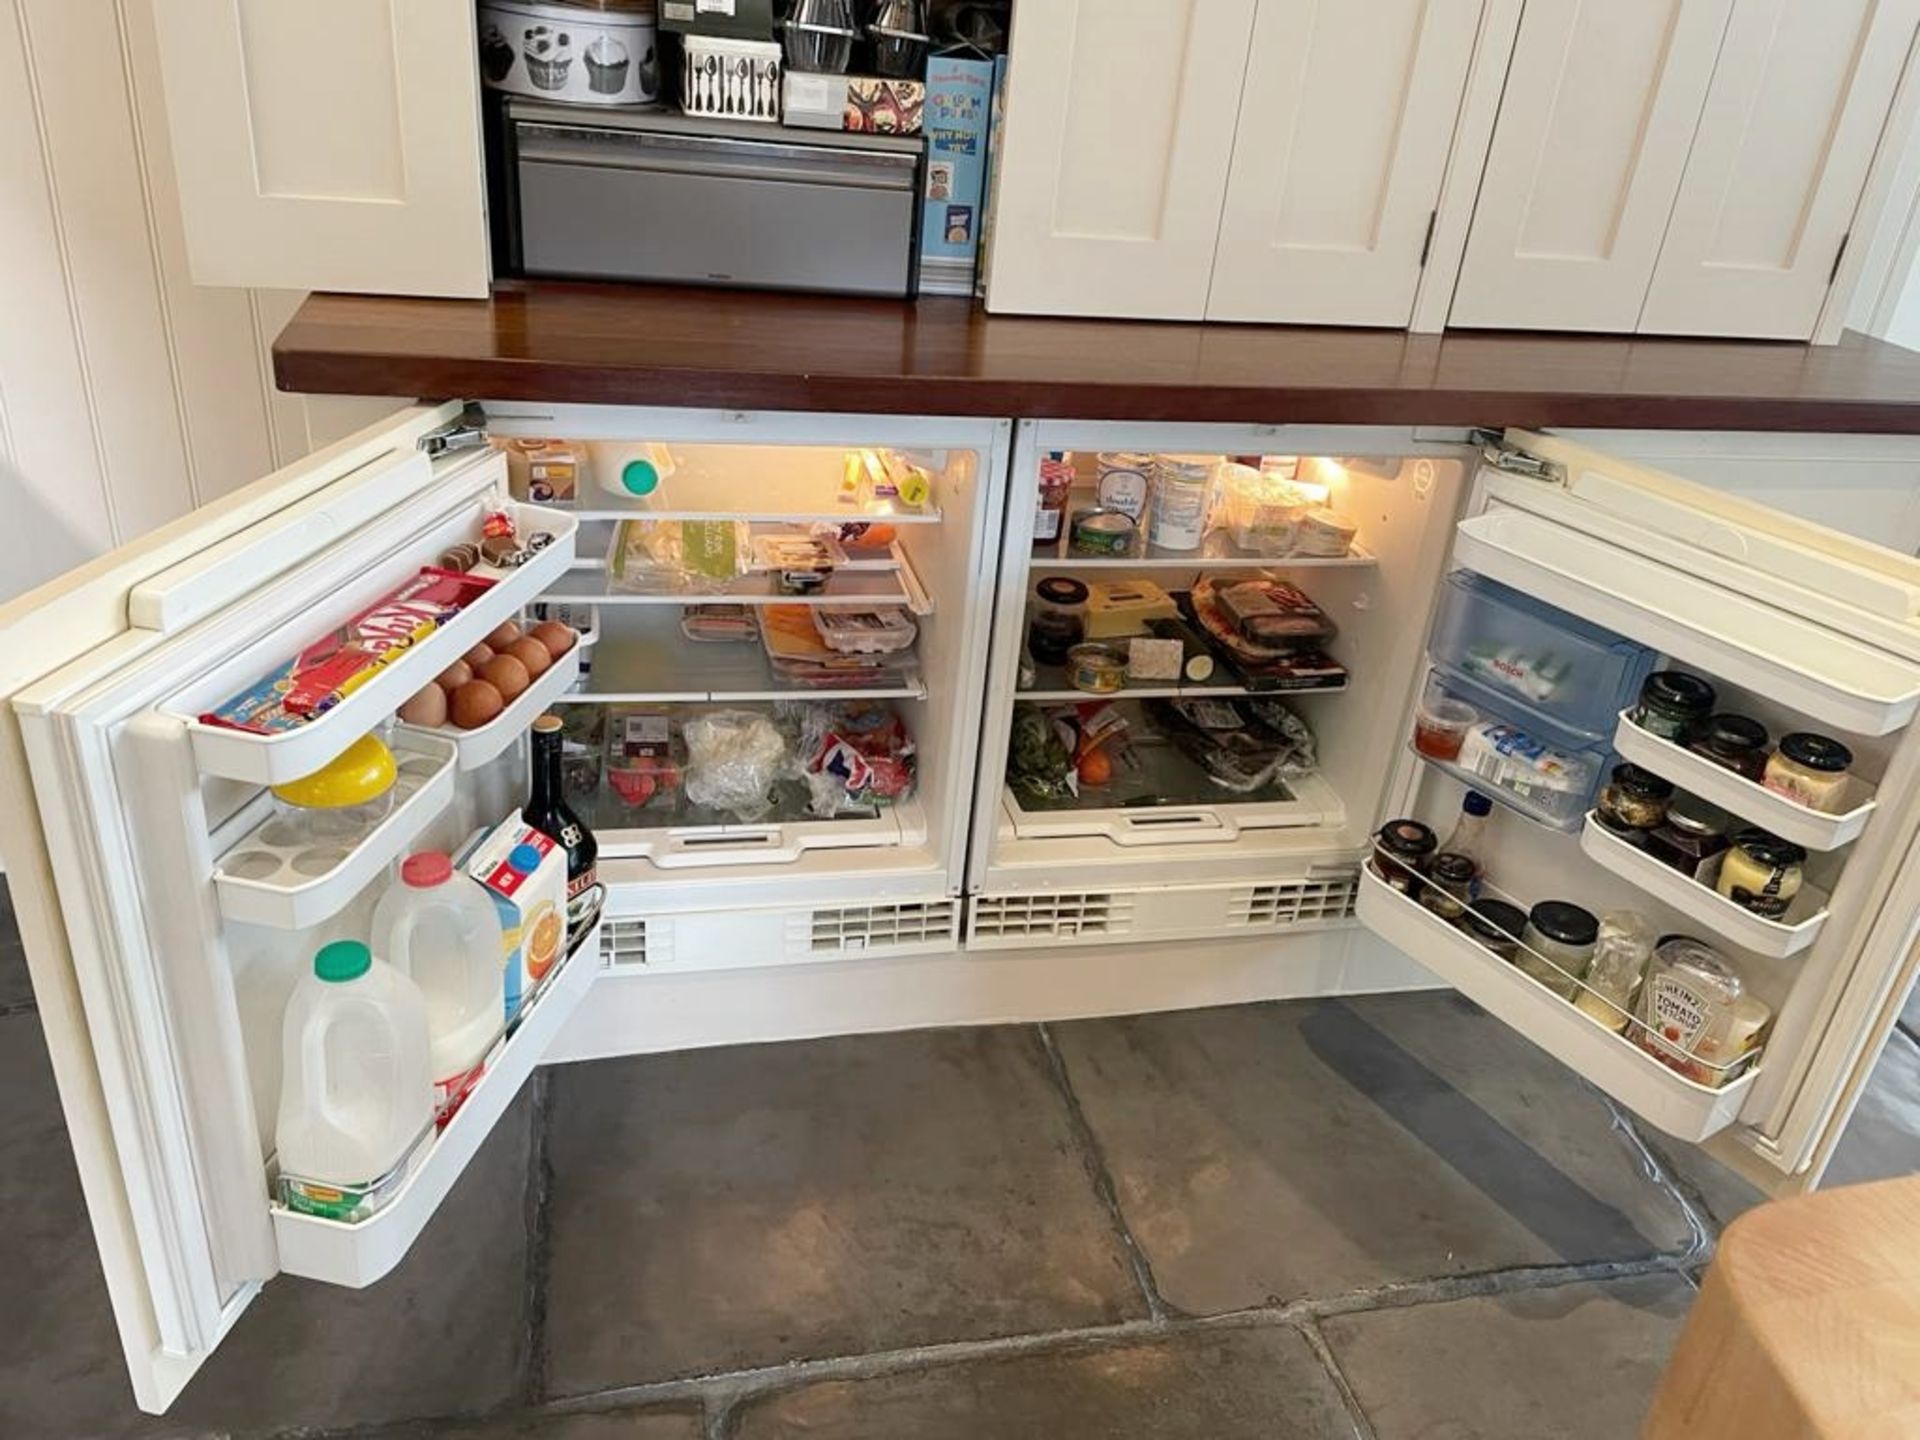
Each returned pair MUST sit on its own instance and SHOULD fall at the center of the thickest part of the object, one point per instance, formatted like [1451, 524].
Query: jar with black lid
[1449, 886]
[1496, 925]
[1672, 704]
[1563, 934]
[1693, 833]
[1059, 620]
[1734, 742]
[1402, 851]
[1633, 802]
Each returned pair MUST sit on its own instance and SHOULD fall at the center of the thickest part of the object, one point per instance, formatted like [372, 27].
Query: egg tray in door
[291, 871]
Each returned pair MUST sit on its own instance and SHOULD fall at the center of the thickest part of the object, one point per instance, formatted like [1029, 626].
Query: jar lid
[1453, 869]
[1769, 850]
[1496, 920]
[1062, 590]
[363, 771]
[1407, 839]
[1642, 783]
[341, 961]
[1677, 690]
[1694, 816]
[427, 869]
[1735, 732]
[1477, 805]
[1564, 923]
[1816, 752]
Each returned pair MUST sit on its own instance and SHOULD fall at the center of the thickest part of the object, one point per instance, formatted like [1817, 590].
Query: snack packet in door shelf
[525, 874]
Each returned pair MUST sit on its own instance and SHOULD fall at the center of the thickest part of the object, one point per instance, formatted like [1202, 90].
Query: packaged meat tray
[798, 654]
[883, 630]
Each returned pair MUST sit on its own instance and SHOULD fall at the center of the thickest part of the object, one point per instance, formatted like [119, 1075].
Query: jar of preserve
[1633, 802]
[1693, 833]
[1761, 873]
[1735, 742]
[1402, 850]
[1619, 964]
[1673, 704]
[1050, 506]
[1449, 886]
[1810, 770]
[1564, 934]
[1059, 619]
[1497, 926]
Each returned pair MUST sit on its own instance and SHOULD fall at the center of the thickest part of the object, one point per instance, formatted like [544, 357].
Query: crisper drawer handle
[1172, 827]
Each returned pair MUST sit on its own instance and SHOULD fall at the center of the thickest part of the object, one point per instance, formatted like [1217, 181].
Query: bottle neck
[546, 773]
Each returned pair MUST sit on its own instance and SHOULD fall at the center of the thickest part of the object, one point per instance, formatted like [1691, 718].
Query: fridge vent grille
[874, 927]
[1294, 902]
[1093, 912]
[624, 942]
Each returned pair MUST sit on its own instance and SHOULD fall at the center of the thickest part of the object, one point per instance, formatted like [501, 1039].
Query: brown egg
[454, 676]
[503, 638]
[474, 704]
[531, 653]
[429, 707]
[478, 656]
[507, 675]
[556, 637]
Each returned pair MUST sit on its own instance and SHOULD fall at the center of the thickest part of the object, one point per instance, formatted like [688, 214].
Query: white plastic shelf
[358, 1254]
[1216, 551]
[1664, 1098]
[1737, 795]
[588, 583]
[1700, 902]
[479, 746]
[1099, 814]
[272, 759]
[284, 875]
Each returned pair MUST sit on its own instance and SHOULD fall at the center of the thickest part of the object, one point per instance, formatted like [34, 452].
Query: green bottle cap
[639, 477]
[342, 961]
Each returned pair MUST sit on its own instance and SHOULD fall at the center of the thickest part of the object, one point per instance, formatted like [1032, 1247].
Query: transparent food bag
[662, 557]
[734, 760]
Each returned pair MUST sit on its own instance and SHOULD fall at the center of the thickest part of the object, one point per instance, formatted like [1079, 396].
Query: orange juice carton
[525, 874]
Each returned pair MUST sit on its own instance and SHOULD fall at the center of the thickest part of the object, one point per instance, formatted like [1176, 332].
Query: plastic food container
[1263, 510]
[590, 52]
[1097, 669]
[1182, 486]
[1324, 535]
[1440, 727]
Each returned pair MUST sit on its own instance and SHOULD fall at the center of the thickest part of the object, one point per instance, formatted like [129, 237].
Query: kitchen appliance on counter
[661, 197]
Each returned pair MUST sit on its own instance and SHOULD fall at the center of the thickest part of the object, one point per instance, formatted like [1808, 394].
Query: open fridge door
[1569, 562]
[128, 813]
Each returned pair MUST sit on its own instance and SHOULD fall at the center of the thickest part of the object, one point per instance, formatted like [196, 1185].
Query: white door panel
[1120, 119]
[328, 147]
[1344, 134]
[1791, 125]
[1601, 103]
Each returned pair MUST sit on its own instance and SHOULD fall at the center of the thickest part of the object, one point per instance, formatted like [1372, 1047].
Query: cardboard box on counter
[864, 104]
[959, 104]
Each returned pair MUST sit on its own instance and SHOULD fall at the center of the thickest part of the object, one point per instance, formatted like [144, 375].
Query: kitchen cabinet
[1601, 104]
[1120, 126]
[328, 147]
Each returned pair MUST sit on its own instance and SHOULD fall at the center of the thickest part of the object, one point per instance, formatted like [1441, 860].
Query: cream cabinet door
[327, 147]
[1119, 129]
[1587, 156]
[1792, 122]
[1345, 128]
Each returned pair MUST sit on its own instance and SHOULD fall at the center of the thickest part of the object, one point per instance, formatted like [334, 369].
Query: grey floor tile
[1723, 1194]
[721, 1209]
[1579, 1362]
[15, 988]
[673, 1423]
[1910, 1016]
[445, 1333]
[1228, 1385]
[1269, 1152]
[1882, 1140]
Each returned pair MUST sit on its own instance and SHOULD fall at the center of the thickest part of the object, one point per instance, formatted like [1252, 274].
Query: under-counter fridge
[766, 636]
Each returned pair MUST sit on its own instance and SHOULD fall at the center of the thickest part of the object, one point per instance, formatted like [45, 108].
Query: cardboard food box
[958, 106]
[733, 19]
[525, 875]
[862, 104]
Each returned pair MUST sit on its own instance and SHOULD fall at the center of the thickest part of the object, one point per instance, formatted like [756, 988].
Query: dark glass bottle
[548, 812]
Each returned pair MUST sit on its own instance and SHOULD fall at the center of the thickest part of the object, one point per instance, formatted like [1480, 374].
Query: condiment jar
[1450, 886]
[1735, 742]
[1633, 801]
[1619, 964]
[1059, 619]
[1761, 873]
[1401, 852]
[1564, 934]
[1810, 770]
[1691, 835]
[1672, 704]
[1690, 993]
[1497, 926]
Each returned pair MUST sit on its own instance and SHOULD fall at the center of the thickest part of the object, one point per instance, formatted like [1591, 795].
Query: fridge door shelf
[1697, 899]
[280, 875]
[1828, 676]
[1737, 795]
[1666, 1099]
[359, 1253]
[1314, 804]
[480, 746]
[590, 583]
[272, 759]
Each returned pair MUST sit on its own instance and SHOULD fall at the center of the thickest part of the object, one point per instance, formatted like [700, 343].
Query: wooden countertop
[656, 345]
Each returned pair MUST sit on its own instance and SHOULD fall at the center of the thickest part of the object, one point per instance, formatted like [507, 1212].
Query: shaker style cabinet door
[1793, 120]
[1119, 129]
[1345, 129]
[328, 147]
[1588, 152]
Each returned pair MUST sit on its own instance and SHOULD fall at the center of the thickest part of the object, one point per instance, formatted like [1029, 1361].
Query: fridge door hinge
[469, 432]
[1839, 255]
[1426, 245]
[1501, 454]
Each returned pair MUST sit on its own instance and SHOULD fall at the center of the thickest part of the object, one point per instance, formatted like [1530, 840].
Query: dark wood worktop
[648, 345]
